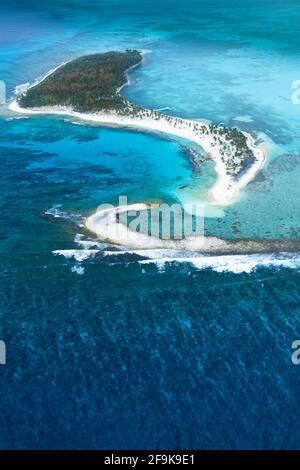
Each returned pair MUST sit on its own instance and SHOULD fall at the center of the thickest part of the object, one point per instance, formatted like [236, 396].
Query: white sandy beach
[109, 227]
[105, 224]
[224, 192]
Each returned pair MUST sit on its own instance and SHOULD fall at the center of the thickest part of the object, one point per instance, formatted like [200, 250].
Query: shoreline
[227, 188]
[143, 53]
[26, 86]
[225, 191]
[106, 224]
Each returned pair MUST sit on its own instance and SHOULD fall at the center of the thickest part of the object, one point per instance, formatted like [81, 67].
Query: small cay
[89, 88]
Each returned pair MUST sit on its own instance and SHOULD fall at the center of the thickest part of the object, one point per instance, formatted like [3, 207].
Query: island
[88, 84]
[89, 88]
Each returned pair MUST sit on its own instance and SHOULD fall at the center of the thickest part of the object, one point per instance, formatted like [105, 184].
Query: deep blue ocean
[109, 348]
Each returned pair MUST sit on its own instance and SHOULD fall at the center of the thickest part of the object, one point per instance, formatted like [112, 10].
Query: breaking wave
[242, 256]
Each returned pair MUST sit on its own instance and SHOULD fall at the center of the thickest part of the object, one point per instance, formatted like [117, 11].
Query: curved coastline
[105, 223]
[226, 189]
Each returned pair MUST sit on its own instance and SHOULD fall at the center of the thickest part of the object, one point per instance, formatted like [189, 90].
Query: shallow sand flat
[105, 224]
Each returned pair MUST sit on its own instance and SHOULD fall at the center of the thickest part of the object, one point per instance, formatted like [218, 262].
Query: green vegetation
[87, 84]
[233, 142]
[92, 84]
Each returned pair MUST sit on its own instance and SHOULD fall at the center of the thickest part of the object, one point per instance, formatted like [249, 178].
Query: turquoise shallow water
[114, 351]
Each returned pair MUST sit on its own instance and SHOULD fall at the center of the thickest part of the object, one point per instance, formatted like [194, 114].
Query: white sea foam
[55, 211]
[77, 255]
[58, 213]
[87, 244]
[88, 249]
[231, 263]
[238, 263]
[21, 88]
[16, 118]
[78, 269]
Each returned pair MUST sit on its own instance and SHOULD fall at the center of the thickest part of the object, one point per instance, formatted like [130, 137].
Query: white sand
[105, 224]
[224, 192]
